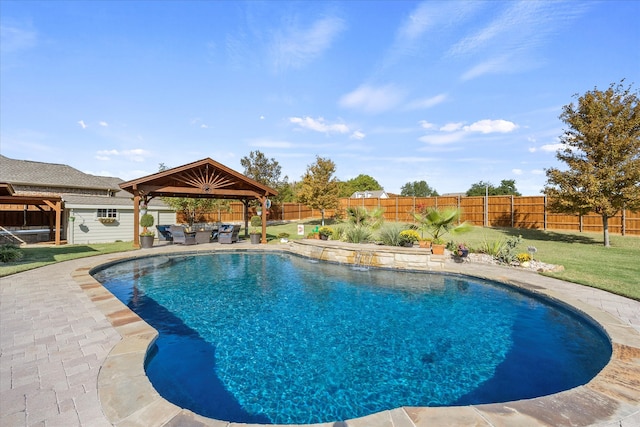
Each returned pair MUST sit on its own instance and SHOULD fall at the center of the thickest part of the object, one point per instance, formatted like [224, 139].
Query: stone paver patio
[72, 355]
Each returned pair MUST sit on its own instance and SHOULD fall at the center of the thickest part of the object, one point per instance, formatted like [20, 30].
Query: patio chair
[228, 233]
[182, 237]
[164, 233]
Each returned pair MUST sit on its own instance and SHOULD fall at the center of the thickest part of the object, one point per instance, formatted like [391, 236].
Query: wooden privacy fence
[492, 211]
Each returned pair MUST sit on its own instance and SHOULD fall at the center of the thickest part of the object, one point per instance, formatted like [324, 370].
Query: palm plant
[360, 216]
[438, 223]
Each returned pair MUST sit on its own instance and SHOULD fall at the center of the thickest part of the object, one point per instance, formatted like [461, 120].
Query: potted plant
[255, 235]
[284, 237]
[408, 238]
[325, 232]
[146, 237]
[425, 243]
[438, 223]
[462, 250]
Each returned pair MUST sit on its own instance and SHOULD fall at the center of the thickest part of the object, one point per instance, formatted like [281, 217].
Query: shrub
[389, 233]
[357, 234]
[408, 236]
[283, 235]
[502, 250]
[146, 220]
[9, 253]
[523, 257]
[256, 221]
[325, 231]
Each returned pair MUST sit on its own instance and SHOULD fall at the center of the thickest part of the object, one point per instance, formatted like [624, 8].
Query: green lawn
[615, 269]
[38, 256]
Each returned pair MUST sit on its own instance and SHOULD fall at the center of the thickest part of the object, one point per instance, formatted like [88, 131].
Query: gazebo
[205, 178]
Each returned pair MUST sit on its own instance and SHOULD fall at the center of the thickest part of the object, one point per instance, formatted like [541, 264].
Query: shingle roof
[27, 172]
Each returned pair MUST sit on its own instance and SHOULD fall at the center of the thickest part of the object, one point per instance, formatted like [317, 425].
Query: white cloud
[372, 99]
[319, 125]
[491, 126]
[203, 126]
[82, 124]
[293, 47]
[446, 138]
[15, 39]
[426, 125]
[552, 147]
[532, 149]
[516, 171]
[537, 172]
[451, 127]
[104, 124]
[494, 65]
[456, 131]
[358, 135]
[427, 102]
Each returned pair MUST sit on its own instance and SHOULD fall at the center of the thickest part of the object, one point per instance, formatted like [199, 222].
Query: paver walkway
[54, 340]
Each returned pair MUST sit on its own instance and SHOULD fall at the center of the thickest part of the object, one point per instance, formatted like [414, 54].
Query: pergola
[205, 178]
[55, 203]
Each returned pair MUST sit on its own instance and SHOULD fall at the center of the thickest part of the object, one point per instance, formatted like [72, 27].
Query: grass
[586, 261]
[39, 256]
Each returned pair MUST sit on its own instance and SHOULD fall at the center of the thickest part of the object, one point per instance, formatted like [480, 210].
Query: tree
[481, 188]
[265, 171]
[507, 188]
[417, 189]
[359, 183]
[318, 188]
[601, 149]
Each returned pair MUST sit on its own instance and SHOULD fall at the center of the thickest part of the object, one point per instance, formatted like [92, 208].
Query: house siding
[86, 228]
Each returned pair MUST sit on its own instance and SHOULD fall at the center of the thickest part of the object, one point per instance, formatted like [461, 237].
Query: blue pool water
[274, 338]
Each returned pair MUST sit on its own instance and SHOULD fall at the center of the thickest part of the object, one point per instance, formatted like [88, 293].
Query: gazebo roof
[205, 178]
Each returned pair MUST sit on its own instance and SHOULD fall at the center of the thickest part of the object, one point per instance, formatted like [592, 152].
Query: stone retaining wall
[369, 255]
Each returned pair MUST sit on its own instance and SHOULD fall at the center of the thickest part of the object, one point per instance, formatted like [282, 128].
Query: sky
[449, 92]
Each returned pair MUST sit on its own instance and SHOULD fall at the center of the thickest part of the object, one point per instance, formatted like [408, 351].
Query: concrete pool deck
[72, 355]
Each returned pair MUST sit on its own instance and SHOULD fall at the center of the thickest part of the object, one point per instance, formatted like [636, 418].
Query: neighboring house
[370, 194]
[93, 208]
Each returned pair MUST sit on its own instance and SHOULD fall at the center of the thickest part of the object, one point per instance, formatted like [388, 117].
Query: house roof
[204, 178]
[27, 172]
[370, 194]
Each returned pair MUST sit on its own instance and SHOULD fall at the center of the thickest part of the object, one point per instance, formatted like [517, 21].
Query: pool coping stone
[125, 396]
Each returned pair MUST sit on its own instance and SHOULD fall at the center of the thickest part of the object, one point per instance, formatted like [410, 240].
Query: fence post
[512, 211]
[624, 219]
[545, 213]
[299, 212]
[396, 209]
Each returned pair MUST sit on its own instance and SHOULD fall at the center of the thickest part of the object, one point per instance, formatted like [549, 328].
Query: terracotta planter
[438, 249]
[425, 244]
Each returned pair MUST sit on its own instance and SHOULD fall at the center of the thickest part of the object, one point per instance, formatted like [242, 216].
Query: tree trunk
[605, 229]
[322, 212]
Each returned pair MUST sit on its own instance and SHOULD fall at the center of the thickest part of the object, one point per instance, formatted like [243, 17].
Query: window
[107, 213]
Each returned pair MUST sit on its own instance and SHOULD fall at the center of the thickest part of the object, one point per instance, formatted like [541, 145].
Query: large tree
[417, 189]
[359, 183]
[507, 187]
[601, 149]
[266, 171]
[319, 188]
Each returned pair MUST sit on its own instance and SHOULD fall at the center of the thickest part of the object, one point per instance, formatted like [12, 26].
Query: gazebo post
[263, 201]
[136, 217]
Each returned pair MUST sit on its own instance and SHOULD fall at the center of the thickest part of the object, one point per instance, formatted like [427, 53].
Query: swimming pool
[272, 338]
